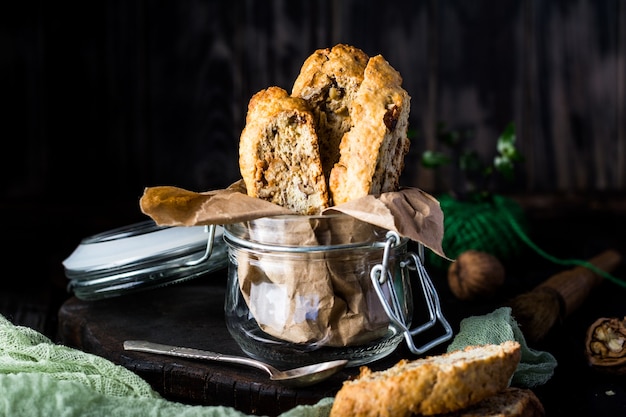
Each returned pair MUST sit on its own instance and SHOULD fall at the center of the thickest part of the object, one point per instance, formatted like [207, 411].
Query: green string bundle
[480, 225]
[497, 226]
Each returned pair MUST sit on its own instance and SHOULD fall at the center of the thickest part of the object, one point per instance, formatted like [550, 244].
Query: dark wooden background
[107, 97]
[102, 99]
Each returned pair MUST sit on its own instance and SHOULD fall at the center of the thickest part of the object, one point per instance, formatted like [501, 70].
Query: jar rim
[303, 233]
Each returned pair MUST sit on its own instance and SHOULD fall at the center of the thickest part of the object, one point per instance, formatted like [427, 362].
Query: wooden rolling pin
[538, 310]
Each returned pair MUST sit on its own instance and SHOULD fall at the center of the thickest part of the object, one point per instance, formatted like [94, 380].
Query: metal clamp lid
[143, 255]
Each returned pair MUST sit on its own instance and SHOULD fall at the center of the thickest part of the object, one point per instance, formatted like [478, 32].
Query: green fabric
[535, 367]
[40, 378]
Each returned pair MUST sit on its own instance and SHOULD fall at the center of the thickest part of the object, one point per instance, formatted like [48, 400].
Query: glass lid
[141, 256]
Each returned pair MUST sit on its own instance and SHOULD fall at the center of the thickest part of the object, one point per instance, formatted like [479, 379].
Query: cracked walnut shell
[605, 345]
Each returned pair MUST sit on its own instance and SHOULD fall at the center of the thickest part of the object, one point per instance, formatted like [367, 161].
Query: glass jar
[305, 289]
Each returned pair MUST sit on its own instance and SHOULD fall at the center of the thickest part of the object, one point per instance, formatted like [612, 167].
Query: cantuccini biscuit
[372, 152]
[328, 81]
[279, 154]
[431, 385]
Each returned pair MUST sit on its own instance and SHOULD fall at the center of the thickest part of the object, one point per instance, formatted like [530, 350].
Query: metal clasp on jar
[382, 280]
[210, 229]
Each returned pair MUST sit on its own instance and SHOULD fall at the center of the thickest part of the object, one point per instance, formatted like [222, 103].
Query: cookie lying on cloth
[432, 385]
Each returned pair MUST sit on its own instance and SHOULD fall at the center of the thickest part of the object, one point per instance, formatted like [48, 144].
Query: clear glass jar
[304, 289]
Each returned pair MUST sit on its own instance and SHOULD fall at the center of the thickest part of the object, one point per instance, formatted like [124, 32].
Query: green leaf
[504, 166]
[506, 143]
[469, 161]
[507, 152]
[434, 159]
[450, 138]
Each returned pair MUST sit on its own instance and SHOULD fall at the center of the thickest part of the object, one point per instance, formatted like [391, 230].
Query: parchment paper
[411, 212]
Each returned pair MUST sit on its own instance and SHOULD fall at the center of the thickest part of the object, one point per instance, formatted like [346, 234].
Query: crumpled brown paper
[328, 301]
[410, 212]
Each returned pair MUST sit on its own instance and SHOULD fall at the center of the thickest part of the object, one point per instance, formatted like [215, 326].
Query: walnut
[605, 345]
[475, 274]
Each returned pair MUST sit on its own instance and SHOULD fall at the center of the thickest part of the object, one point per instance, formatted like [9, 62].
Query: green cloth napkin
[535, 367]
[41, 378]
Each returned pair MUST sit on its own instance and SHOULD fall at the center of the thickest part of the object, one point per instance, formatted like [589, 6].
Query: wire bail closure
[210, 229]
[382, 279]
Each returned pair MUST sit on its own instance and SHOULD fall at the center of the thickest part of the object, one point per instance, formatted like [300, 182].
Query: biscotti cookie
[279, 154]
[430, 385]
[512, 402]
[328, 81]
[372, 152]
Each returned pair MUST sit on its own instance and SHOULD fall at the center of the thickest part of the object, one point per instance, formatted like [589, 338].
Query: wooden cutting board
[188, 315]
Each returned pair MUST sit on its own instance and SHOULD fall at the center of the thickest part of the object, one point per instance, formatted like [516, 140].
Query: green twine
[478, 225]
[496, 226]
[565, 262]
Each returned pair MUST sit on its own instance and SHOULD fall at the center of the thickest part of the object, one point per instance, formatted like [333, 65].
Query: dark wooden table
[192, 315]
[188, 315]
